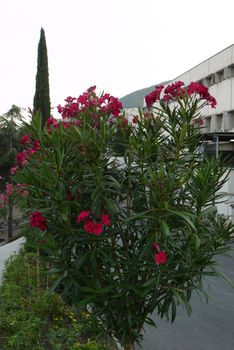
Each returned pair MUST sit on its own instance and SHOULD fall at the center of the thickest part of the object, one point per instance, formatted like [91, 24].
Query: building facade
[217, 73]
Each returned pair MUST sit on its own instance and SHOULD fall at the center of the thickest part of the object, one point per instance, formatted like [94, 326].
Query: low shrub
[33, 318]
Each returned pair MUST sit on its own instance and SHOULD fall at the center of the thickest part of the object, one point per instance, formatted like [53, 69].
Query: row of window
[219, 76]
[219, 122]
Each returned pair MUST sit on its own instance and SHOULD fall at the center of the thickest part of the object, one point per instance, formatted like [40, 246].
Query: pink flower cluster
[25, 139]
[91, 226]
[36, 219]
[22, 157]
[10, 189]
[89, 100]
[153, 96]
[13, 170]
[51, 123]
[21, 189]
[160, 257]
[3, 200]
[174, 90]
[178, 90]
[203, 91]
[5, 195]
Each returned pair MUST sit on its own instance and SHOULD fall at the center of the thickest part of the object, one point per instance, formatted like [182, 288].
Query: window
[209, 80]
[218, 122]
[207, 124]
[230, 120]
[219, 76]
[229, 71]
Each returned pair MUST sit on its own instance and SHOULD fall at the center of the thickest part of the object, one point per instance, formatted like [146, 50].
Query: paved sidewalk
[210, 327]
[7, 250]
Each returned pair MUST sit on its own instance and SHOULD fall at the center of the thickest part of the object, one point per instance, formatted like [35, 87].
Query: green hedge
[33, 318]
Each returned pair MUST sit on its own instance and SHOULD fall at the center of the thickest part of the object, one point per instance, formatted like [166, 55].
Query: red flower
[21, 189]
[22, 157]
[69, 99]
[114, 106]
[36, 145]
[212, 101]
[36, 219]
[105, 219]
[3, 199]
[52, 122]
[156, 246]
[77, 123]
[175, 89]
[154, 96]
[82, 216]
[166, 98]
[9, 188]
[13, 170]
[70, 196]
[25, 139]
[91, 89]
[65, 125]
[93, 227]
[106, 104]
[160, 258]
[203, 91]
[123, 121]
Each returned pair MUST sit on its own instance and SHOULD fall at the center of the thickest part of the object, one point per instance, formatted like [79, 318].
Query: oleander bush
[124, 210]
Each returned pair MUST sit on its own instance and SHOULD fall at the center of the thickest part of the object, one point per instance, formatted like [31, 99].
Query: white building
[217, 73]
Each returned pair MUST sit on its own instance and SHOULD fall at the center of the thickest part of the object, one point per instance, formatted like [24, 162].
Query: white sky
[119, 45]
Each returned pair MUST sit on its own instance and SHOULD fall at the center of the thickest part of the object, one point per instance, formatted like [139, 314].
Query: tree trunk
[129, 346]
[38, 269]
[10, 219]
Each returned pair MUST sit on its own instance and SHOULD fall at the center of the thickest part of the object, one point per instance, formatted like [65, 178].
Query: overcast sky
[119, 45]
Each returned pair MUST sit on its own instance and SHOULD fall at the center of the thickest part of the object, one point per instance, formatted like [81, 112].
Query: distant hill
[136, 98]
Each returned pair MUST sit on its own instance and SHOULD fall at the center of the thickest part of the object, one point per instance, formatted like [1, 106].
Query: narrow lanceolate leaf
[173, 310]
[197, 241]
[226, 278]
[164, 228]
[143, 215]
[183, 216]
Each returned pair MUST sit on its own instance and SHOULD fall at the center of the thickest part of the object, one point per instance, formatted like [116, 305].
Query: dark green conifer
[41, 101]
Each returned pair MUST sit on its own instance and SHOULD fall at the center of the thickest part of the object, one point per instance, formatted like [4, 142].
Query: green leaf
[184, 216]
[197, 241]
[164, 228]
[152, 282]
[220, 274]
[173, 310]
[56, 283]
[150, 322]
[141, 215]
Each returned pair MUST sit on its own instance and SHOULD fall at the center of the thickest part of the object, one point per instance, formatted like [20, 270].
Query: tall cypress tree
[41, 101]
